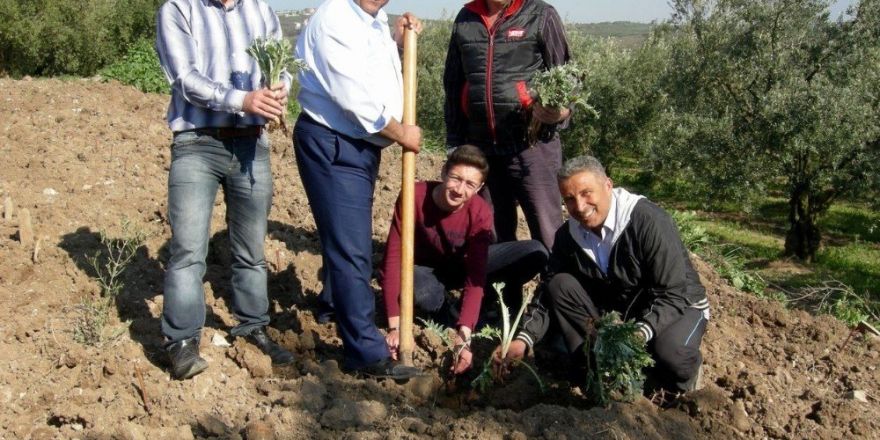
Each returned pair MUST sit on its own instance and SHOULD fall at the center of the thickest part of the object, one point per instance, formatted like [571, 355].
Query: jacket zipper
[490, 104]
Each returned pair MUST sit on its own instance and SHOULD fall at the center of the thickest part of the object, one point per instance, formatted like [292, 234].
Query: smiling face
[371, 6]
[587, 197]
[460, 184]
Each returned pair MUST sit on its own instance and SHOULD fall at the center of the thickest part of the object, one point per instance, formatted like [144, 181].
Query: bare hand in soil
[515, 353]
[392, 340]
[549, 115]
[263, 103]
[464, 358]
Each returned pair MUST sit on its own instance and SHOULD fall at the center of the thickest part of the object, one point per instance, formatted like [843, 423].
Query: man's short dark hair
[580, 164]
[469, 155]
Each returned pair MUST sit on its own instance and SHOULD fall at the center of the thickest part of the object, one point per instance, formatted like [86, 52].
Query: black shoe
[185, 359]
[387, 369]
[325, 313]
[279, 355]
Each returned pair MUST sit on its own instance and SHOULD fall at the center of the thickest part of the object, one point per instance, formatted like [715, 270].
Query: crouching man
[618, 251]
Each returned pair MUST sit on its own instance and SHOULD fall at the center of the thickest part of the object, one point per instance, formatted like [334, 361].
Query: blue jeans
[338, 174]
[200, 164]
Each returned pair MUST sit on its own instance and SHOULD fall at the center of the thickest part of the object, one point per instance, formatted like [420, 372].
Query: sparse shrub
[109, 265]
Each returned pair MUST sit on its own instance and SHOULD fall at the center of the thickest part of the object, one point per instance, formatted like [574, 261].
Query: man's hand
[263, 103]
[392, 340]
[281, 93]
[408, 136]
[407, 20]
[463, 356]
[515, 353]
[411, 139]
[550, 115]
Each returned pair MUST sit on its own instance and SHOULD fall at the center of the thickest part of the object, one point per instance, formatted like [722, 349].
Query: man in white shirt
[352, 105]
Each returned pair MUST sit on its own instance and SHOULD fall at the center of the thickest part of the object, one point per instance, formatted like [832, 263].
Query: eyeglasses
[468, 184]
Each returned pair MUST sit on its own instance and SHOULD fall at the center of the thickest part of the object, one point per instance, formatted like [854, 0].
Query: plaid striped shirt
[201, 46]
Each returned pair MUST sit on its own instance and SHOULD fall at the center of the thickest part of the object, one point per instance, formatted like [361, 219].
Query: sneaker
[387, 369]
[279, 355]
[185, 359]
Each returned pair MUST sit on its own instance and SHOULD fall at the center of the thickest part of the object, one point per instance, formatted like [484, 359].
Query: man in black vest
[495, 49]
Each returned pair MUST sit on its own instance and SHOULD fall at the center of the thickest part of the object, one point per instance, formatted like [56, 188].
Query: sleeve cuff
[234, 100]
[646, 330]
[523, 336]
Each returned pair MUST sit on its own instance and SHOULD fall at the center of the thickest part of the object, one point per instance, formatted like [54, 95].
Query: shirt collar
[381, 16]
[610, 224]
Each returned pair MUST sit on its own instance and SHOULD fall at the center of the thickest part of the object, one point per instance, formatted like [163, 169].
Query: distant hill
[630, 34]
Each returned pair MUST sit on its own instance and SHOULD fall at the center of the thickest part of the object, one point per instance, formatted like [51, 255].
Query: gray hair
[580, 164]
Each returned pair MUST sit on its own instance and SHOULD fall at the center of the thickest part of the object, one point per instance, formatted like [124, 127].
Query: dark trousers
[513, 262]
[529, 179]
[676, 350]
[339, 174]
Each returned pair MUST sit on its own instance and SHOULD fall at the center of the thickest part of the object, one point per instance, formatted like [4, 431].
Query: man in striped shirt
[217, 113]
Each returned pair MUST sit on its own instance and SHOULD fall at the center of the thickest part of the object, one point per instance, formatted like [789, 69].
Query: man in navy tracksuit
[619, 251]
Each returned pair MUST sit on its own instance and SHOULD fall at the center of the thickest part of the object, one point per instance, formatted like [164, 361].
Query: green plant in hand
[558, 87]
[616, 360]
[274, 57]
[508, 330]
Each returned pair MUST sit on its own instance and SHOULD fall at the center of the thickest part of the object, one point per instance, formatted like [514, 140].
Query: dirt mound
[81, 155]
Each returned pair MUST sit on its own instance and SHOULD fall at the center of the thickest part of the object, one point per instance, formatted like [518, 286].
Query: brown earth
[82, 155]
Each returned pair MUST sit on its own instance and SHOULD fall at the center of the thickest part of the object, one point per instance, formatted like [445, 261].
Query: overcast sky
[578, 11]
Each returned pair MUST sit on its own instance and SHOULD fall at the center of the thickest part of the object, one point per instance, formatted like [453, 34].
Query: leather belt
[231, 132]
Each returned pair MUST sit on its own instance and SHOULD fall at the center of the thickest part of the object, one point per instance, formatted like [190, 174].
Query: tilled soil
[82, 157]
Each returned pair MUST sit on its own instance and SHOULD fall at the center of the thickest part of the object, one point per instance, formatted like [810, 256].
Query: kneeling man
[619, 251]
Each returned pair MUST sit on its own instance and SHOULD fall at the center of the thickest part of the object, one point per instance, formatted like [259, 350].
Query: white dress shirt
[354, 83]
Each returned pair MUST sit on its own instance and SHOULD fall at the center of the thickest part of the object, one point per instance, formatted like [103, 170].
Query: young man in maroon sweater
[453, 249]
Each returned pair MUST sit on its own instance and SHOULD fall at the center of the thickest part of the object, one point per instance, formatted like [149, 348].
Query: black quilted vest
[498, 64]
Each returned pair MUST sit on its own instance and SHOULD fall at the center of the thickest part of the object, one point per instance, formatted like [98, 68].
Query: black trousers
[513, 262]
[676, 350]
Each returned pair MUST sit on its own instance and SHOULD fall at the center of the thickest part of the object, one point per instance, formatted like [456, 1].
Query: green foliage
[139, 68]
[616, 360]
[772, 93]
[274, 57]
[623, 91]
[559, 87]
[438, 329]
[433, 42]
[508, 330]
[109, 265]
[48, 37]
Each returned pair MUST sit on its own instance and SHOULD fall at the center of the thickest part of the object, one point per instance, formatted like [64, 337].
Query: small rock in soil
[8, 209]
[258, 430]
[251, 358]
[213, 426]
[739, 417]
[859, 395]
[25, 227]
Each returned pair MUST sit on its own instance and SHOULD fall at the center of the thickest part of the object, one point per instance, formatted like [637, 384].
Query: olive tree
[769, 94]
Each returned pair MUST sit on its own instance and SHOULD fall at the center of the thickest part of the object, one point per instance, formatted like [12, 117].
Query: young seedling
[508, 330]
[558, 87]
[620, 356]
[274, 57]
